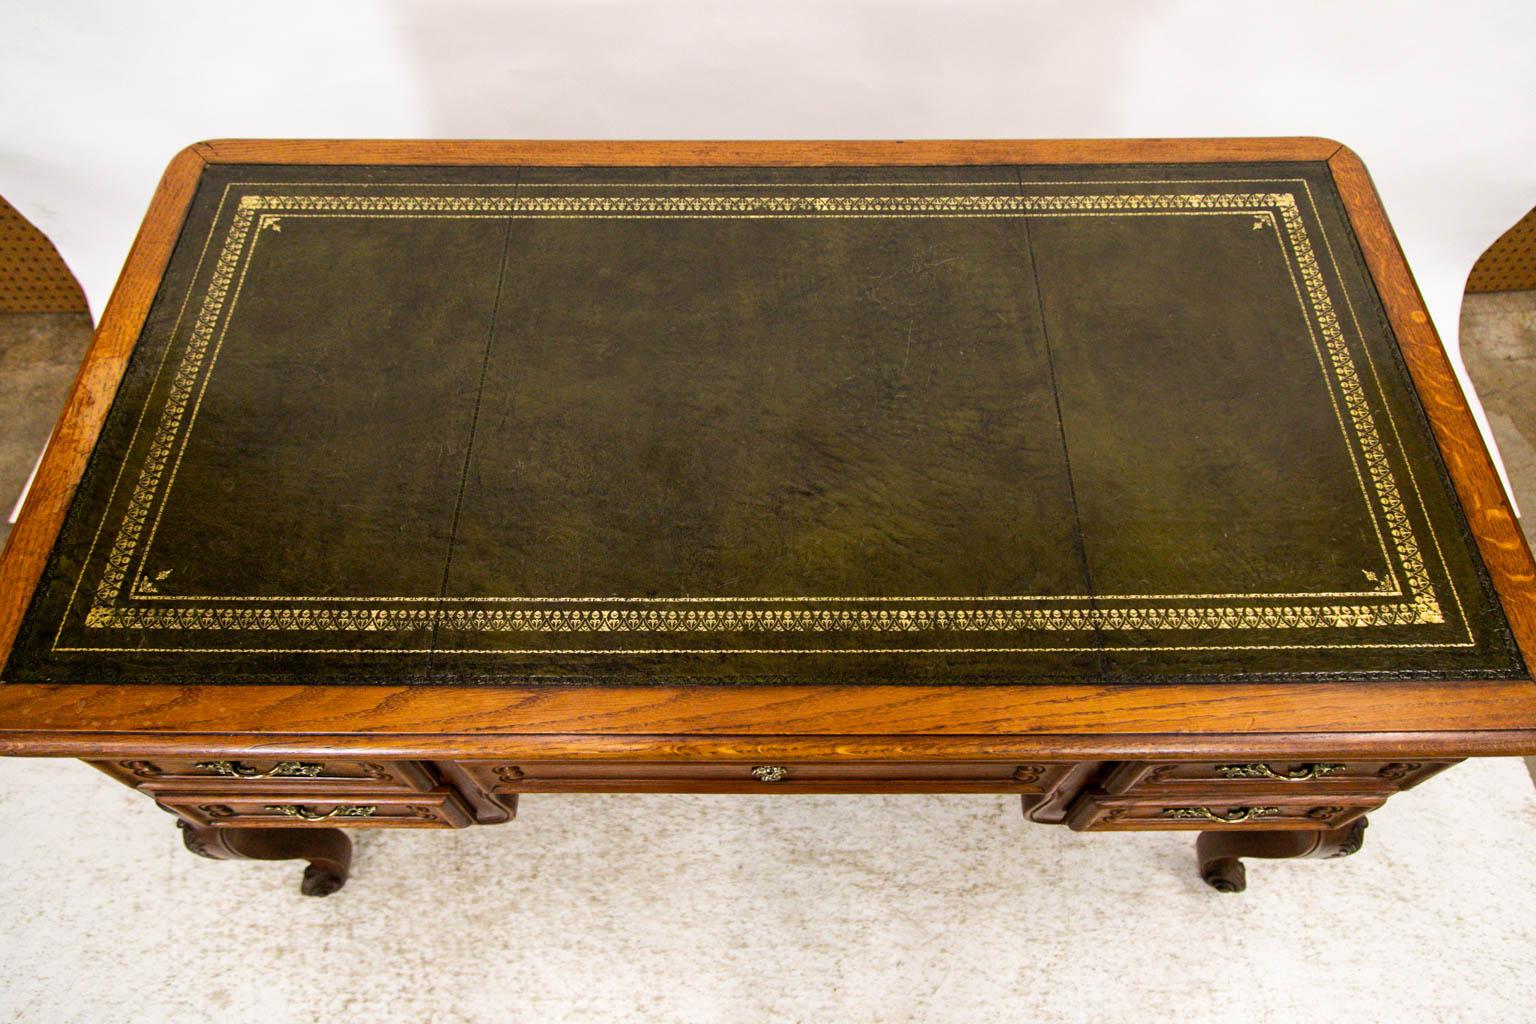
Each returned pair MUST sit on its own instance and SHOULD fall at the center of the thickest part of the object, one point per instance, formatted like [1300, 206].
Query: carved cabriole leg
[328, 850]
[1219, 852]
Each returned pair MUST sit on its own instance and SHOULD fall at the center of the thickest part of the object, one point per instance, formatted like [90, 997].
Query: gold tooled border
[1421, 605]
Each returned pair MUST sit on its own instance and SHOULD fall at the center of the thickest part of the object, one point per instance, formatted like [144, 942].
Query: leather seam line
[474, 424]
[1061, 427]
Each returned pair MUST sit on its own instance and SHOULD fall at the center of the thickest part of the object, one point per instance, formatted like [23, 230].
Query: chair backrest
[33, 277]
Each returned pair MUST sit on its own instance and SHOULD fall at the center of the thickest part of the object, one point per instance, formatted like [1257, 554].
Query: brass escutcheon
[769, 773]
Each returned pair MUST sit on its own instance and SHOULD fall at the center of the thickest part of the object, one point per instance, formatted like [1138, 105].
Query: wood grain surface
[760, 153]
[887, 722]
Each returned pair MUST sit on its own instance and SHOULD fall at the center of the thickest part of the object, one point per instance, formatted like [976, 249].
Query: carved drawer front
[339, 809]
[267, 773]
[1272, 775]
[766, 776]
[1099, 812]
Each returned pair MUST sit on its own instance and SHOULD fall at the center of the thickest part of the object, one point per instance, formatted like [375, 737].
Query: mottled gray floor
[39, 354]
[1498, 345]
[742, 910]
[767, 909]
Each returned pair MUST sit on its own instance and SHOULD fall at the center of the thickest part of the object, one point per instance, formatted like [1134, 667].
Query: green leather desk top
[820, 425]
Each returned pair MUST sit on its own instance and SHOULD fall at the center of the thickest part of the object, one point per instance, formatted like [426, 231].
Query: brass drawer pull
[1306, 773]
[1233, 817]
[342, 811]
[281, 770]
[769, 773]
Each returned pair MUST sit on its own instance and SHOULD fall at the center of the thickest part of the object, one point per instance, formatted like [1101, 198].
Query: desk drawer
[1272, 775]
[285, 774]
[338, 809]
[1218, 811]
[765, 777]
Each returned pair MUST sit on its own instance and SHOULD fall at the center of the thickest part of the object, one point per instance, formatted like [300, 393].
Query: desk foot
[328, 850]
[1219, 852]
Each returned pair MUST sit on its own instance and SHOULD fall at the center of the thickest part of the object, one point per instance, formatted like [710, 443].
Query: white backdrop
[1437, 97]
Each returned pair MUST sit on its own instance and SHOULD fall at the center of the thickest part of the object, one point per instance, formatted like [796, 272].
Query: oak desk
[402, 478]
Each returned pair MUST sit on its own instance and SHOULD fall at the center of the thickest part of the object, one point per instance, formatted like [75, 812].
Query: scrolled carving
[1399, 770]
[508, 773]
[192, 841]
[1028, 773]
[142, 769]
[1352, 841]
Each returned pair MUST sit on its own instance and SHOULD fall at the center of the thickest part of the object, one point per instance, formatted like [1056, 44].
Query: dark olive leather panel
[760, 425]
[329, 470]
[1258, 464]
[805, 405]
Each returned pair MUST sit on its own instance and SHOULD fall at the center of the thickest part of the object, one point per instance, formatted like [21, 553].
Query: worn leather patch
[765, 425]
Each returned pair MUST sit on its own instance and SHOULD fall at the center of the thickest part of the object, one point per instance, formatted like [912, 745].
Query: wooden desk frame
[867, 723]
